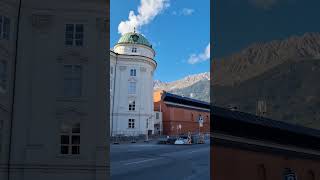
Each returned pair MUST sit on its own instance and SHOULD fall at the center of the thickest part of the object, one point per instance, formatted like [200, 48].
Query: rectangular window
[111, 70]
[132, 105]
[157, 115]
[134, 50]
[131, 124]
[4, 27]
[133, 72]
[72, 80]
[74, 35]
[3, 76]
[132, 88]
[70, 139]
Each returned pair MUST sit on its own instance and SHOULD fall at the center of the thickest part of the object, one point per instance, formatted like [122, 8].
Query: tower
[132, 66]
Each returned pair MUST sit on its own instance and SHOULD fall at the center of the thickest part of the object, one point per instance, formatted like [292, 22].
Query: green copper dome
[134, 38]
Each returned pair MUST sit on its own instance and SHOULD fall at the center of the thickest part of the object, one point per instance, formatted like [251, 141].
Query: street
[160, 162]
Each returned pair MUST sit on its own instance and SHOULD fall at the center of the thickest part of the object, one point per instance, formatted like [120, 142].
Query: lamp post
[200, 120]
[147, 138]
[147, 127]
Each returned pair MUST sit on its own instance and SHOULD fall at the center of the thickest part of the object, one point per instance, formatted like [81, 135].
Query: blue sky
[239, 23]
[179, 33]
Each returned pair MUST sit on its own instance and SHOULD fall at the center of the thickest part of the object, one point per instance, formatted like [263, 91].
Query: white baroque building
[53, 121]
[132, 66]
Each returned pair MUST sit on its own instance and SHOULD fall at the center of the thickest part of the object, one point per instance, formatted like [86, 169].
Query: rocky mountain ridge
[181, 83]
[261, 57]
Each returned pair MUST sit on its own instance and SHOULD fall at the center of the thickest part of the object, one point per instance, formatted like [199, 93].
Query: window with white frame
[70, 139]
[132, 87]
[74, 34]
[4, 27]
[131, 123]
[133, 72]
[157, 115]
[3, 76]
[111, 70]
[72, 80]
[134, 50]
[132, 105]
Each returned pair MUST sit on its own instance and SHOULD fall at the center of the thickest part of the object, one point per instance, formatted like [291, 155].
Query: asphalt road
[160, 162]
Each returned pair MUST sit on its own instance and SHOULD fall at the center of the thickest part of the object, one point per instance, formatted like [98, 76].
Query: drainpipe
[113, 89]
[13, 89]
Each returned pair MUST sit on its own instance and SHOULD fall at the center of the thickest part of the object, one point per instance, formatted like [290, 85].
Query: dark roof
[256, 127]
[169, 97]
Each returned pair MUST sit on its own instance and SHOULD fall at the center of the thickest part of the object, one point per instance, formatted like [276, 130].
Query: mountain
[290, 90]
[199, 90]
[261, 57]
[195, 86]
[283, 74]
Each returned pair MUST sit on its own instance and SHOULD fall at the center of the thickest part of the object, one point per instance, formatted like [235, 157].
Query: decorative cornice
[137, 58]
[136, 45]
[70, 111]
[122, 68]
[130, 114]
[72, 56]
[132, 79]
[3, 108]
[41, 20]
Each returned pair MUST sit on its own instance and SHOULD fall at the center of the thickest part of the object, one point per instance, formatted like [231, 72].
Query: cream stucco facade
[58, 126]
[131, 93]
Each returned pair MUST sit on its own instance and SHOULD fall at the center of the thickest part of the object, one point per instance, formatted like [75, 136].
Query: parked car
[182, 140]
[179, 141]
[171, 140]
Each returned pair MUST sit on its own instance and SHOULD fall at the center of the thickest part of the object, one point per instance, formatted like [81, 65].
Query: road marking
[142, 161]
[197, 151]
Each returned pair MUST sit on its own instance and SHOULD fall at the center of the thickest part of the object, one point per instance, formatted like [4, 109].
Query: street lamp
[147, 127]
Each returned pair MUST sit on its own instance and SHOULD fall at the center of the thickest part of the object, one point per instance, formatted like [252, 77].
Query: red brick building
[181, 115]
[245, 146]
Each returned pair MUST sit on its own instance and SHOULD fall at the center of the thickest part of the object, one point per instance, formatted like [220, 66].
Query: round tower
[131, 93]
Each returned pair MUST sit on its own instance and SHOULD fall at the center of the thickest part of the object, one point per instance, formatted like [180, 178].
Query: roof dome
[134, 38]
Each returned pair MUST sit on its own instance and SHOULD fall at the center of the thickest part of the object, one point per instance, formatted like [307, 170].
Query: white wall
[39, 105]
[141, 50]
[143, 97]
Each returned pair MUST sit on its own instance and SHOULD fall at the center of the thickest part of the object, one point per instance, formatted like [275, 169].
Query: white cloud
[147, 11]
[187, 11]
[184, 12]
[197, 58]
